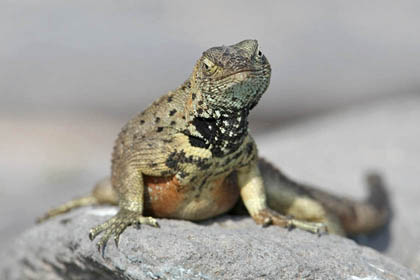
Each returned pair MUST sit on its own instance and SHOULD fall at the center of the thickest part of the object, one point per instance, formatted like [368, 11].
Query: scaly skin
[189, 156]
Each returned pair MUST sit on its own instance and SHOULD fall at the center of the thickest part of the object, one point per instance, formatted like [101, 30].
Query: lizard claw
[116, 240]
[116, 225]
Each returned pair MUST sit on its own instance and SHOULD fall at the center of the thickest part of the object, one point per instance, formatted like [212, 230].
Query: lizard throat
[222, 135]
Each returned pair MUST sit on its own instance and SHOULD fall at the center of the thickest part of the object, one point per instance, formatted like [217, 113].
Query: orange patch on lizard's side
[225, 192]
[162, 196]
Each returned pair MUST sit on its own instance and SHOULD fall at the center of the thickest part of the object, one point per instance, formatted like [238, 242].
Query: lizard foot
[317, 228]
[268, 217]
[116, 225]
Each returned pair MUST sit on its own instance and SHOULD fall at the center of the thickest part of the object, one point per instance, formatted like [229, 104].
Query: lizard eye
[209, 67]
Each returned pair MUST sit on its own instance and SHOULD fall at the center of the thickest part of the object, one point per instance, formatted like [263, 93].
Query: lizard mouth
[239, 75]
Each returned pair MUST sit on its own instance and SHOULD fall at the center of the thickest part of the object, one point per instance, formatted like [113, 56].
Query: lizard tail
[356, 217]
[360, 217]
[66, 207]
[102, 193]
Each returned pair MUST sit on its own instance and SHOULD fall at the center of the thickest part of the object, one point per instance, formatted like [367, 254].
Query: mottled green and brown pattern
[189, 156]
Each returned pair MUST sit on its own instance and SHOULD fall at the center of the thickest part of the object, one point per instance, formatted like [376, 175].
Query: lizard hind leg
[290, 199]
[101, 194]
[254, 196]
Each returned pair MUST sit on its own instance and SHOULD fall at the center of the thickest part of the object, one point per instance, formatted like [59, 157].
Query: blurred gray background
[73, 72]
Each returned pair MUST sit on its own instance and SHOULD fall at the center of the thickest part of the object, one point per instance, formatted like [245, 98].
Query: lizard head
[232, 78]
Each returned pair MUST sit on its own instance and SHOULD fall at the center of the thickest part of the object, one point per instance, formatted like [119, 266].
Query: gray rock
[224, 248]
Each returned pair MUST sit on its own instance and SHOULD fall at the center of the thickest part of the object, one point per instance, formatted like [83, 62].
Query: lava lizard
[190, 156]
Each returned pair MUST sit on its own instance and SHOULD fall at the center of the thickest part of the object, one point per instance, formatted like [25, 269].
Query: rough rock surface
[224, 248]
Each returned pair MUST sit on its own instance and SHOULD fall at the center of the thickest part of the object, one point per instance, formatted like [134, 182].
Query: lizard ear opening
[258, 54]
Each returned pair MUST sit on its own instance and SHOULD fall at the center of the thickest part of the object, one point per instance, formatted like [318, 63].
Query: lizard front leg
[254, 197]
[130, 188]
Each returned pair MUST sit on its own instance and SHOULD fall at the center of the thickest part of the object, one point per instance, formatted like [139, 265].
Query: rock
[224, 248]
